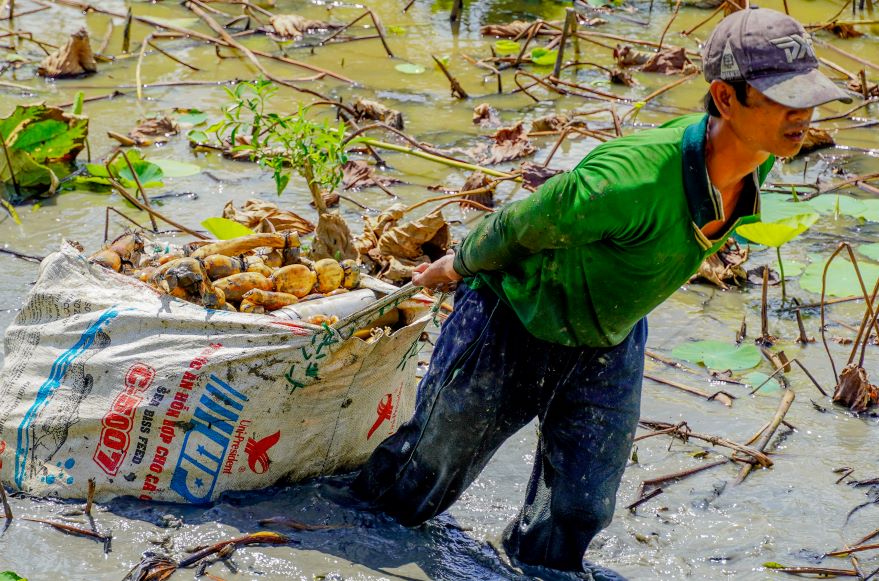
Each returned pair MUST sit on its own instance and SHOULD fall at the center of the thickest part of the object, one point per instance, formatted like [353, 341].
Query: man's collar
[706, 204]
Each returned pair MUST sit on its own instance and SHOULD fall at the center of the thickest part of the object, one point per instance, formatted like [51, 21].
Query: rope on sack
[345, 330]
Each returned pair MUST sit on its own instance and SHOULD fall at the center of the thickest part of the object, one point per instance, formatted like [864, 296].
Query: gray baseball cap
[773, 53]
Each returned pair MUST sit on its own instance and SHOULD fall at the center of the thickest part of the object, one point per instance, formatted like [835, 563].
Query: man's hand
[437, 276]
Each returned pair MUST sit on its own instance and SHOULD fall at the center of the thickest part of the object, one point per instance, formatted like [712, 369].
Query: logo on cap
[729, 68]
[794, 46]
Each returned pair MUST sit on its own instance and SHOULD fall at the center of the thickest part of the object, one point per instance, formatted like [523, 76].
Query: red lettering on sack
[384, 410]
[113, 442]
[139, 377]
[258, 452]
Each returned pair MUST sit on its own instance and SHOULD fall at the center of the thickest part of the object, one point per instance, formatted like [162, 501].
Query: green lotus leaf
[506, 46]
[793, 268]
[756, 378]
[779, 232]
[192, 117]
[838, 205]
[719, 355]
[871, 251]
[774, 207]
[149, 174]
[10, 576]
[225, 229]
[841, 278]
[870, 210]
[198, 137]
[176, 169]
[410, 68]
[543, 57]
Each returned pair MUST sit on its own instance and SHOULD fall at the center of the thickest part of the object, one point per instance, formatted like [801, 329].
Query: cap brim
[800, 90]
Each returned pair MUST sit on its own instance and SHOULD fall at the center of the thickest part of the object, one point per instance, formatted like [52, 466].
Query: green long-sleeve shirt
[595, 249]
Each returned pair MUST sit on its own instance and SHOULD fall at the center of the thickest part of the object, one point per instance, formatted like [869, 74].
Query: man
[549, 320]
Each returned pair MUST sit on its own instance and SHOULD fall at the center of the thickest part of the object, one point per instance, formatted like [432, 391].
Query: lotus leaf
[870, 211]
[838, 205]
[506, 46]
[774, 207]
[191, 117]
[793, 268]
[871, 251]
[756, 378]
[225, 229]
[148, 173]
[841, 278]
[543, 57]
[10, 576]
[41, 141]
[719, 355]
[779, 232]
[176, 169]
[410, 68]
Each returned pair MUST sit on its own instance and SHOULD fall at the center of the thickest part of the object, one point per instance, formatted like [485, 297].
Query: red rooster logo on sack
[258, 452]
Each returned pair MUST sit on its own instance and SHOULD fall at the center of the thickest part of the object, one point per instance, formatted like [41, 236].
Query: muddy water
[702, 528]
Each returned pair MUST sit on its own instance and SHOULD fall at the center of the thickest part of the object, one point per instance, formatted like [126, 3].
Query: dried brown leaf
[156, 130]
[843, 30]
[872, 88]
[332, 238]
[626, 56]
[294, 26]
[479, 181]
[71, 60]
[485, 115]
[264, 216]
[734, 6]
[533, 175]
[854, 390]
[551, 122]
[511, 30]
[816, 139]
[725, 266]
[357, 174]
[671, 61]
[621, 77]
[427, 235]
[584, 20]
[509, 143]
[386, 220]
[375, 111]
[331, 199]
[755, 276]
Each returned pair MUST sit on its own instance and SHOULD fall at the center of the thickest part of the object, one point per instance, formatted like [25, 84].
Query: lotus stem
[781, 275]
[438, 159]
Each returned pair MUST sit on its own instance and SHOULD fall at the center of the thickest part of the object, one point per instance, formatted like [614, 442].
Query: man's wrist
[451, 272]
[458, 266]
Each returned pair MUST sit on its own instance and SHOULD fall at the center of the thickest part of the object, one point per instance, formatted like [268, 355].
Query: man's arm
[571, 209]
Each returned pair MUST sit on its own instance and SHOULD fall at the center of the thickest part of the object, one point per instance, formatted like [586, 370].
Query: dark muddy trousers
[488, 378]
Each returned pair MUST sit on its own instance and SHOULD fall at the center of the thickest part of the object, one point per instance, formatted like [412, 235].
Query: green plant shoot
[283, 143]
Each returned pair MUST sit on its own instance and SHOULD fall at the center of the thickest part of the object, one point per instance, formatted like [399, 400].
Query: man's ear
[723, 95]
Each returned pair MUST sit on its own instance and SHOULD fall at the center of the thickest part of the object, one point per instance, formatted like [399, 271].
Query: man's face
[767, 126]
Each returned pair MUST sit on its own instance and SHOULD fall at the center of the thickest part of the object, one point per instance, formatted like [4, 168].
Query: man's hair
[741, 90]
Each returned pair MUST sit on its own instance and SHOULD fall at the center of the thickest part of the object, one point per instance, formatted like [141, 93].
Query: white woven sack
[158, 398]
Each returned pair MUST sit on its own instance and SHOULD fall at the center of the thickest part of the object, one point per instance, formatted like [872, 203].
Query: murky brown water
[702, 528]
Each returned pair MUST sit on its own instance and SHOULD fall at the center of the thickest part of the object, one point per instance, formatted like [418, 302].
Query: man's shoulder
[641, 155]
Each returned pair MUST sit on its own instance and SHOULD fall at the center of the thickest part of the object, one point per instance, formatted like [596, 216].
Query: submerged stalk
[781, 275]
[438, 159]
